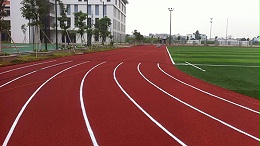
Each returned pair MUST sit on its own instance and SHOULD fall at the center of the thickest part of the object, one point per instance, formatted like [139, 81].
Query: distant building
[113, 9]
[256, 39]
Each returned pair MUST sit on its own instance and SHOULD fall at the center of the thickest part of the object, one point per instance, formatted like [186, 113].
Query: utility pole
[170, 9]
[210, 27]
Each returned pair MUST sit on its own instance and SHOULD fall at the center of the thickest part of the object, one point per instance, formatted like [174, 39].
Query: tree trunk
[0, 42]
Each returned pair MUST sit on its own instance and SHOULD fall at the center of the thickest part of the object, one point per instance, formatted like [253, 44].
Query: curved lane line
[25, 67]
[207, 92]
[91, 133]
[28, 101]
[32, 73]
[194, 108]
[170, 56]
[140, 108]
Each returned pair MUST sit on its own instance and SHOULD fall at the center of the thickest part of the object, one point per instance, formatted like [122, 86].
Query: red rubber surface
[54, 115]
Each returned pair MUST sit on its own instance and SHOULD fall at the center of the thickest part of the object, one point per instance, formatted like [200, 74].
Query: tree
[179, 38]
[243, 39]
[3, 24]
[35, 11]
[80, 18]
[138, 37]
[104, 23]
[64, 21]
[197, 35]
[89, 35]
[111, 39]
[96, 31]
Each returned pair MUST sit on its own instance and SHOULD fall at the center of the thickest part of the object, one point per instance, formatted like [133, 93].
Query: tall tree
[64, 21]
[80, 23]
[138, 37]
[89, 35]
[35, 11]
[3, 24]
[197, 35]
[104, 23]
[96, 31]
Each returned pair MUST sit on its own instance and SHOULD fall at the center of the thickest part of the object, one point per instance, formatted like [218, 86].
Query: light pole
[170, 9]
[210, 27]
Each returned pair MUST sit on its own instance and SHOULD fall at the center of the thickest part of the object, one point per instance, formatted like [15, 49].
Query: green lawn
[234, 68]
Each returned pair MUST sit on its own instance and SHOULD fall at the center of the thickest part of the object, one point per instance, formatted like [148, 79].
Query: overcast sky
[152, 16]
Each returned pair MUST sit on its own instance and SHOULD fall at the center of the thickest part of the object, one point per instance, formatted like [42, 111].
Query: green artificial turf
[238, 70]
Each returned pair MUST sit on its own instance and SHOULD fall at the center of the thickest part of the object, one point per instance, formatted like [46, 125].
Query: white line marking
[140, 108]
[195, 66]
[26, 67]
[90, 131]
[170, 56]
[194, 108]
[226, 65]
[32, 73]
[28, 101]
[207, 92]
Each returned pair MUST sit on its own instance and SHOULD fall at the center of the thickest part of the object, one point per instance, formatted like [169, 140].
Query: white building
[113, 9]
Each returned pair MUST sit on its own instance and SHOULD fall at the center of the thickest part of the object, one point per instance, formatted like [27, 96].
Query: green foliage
[63, 19]
[34, 10]
[197, 35]
[103, 25]
[80, 23]
[96, 32]
[4, 25]
[89, 35]
[138, 36]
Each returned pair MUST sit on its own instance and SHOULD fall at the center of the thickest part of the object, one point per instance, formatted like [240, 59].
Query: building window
[96, 9]
[89, 22]
[115, 11]
[105, 10]
[116, 2]
[7, 12]
[69, 11]
[108, 0]
[69, 22]
[76, 8]
[79, 0]
[89, 9]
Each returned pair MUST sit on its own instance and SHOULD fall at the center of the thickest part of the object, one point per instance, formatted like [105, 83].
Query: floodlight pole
[210, 27]
[170, 9]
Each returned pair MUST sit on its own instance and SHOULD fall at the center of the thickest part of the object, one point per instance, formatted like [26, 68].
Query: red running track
[131, 96]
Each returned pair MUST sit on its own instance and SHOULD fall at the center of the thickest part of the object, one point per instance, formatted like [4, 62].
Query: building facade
[96, 9]
[7, 18]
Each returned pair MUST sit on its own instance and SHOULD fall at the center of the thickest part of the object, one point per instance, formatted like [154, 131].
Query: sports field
[234, 68]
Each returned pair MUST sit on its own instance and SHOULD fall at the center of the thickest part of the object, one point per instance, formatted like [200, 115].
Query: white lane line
[195, 66]
[220, 65]
[207, 92]
[32, 73]
[29, 100]
[26, 67]
[90, 131]
[140, 108]
[228, 65]
[194, 108]
[170, 56]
